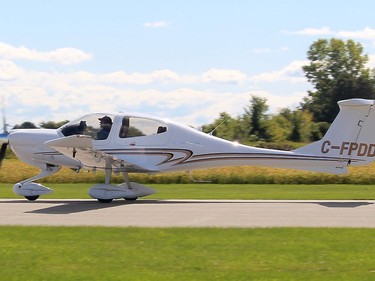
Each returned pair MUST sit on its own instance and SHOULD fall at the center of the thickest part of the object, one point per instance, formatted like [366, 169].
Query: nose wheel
[104, 200]
[32, 198]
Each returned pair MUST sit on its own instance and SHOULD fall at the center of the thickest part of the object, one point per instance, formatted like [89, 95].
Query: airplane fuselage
[176, 148]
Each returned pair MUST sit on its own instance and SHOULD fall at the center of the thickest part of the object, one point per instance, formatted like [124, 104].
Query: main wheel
[131, 199]
[105, 200]
[32, 198]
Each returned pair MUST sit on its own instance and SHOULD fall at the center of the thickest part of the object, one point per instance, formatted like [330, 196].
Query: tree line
[337, 70]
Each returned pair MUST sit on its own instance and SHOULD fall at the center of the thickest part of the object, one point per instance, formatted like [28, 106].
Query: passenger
[105, 125]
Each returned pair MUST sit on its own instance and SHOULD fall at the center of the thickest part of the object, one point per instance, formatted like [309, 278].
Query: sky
[187, 60]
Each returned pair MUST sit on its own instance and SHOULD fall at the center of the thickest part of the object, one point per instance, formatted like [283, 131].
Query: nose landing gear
[31, 190]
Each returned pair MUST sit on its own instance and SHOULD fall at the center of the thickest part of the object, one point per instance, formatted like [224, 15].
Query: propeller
[4, 144]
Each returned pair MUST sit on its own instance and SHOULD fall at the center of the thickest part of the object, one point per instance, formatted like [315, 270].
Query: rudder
[351, 137]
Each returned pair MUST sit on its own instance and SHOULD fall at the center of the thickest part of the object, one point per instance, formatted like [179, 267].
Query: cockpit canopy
[99, 125]
[86, 125]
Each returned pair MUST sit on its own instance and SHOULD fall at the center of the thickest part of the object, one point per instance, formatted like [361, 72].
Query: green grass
[92, 253]
[222, 191]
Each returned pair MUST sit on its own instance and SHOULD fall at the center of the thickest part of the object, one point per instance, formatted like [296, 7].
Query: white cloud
[65, 56]
[292, 73]
[158, 24]
[9, 71]
[187, 105]
[269, 50]
[367, 33]
[162, 76]
[312, 31]
[192, 99]
[62, 55]
[277, 102]
[224, 76]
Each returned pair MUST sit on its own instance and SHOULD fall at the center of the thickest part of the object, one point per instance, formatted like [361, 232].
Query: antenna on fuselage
[212, 132]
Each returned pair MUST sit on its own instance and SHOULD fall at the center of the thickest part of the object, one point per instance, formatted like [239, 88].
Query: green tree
[256, 118]
[280, 125]
[291, 125]
[337, 70]
[302, 126]
[25, 125]
[224, 127]
[52, 124]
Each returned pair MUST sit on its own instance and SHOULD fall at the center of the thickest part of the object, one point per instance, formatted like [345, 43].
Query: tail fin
[351, 137]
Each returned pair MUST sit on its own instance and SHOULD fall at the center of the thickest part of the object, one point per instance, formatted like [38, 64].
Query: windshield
[98, 126]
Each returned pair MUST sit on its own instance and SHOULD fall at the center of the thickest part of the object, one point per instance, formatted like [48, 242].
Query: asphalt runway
[189, 213]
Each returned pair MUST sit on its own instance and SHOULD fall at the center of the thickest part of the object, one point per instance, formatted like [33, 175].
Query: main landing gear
[130, 191]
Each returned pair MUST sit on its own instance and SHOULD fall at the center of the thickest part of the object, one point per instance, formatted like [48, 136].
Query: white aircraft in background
[133, 143]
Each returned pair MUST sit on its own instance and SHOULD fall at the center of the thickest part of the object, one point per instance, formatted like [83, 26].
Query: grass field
[91, 253]
[100, 253]
[222, 191]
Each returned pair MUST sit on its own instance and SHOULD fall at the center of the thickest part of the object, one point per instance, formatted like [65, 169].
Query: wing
[80, 147]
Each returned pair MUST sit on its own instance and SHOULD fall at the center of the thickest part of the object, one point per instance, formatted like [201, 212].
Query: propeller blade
[4, 144]
[2, 152]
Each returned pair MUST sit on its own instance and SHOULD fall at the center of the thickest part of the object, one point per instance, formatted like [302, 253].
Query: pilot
[105, 125]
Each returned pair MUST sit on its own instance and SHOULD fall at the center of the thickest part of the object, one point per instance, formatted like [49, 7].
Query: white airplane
[133, 143]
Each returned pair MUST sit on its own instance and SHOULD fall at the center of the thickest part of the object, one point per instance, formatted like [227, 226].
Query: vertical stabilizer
[351, 137]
